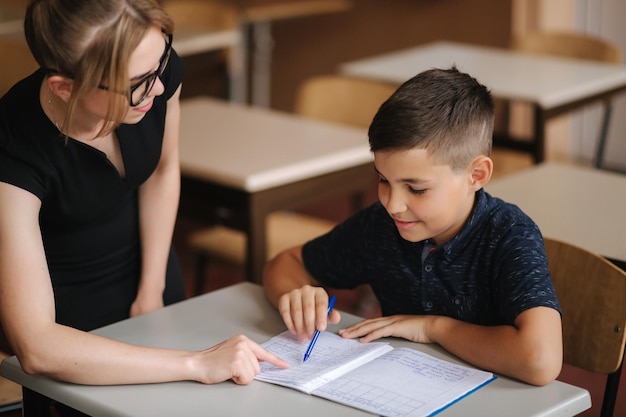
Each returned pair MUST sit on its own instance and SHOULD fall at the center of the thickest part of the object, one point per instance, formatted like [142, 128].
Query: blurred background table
[553, 85]
[240, 163]
[575, 204]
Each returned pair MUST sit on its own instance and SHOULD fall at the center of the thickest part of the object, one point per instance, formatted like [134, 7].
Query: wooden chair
[342, 99]
[332, 98]
[571, 45]
[592, 294]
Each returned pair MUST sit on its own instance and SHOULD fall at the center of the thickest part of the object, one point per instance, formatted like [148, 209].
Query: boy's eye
[381, 180]
[418, 192]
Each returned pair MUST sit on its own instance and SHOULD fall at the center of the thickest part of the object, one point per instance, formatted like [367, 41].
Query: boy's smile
[427, 200]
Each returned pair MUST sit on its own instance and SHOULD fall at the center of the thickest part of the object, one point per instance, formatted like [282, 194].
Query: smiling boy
[449, 263]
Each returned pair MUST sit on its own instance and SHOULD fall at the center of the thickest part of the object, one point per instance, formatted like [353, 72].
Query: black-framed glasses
[141, 89]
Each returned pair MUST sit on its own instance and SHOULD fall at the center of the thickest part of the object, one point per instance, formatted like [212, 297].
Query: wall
[315, 45]
[604, 18]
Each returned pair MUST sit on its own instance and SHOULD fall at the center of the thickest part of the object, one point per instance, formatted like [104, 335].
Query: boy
[449, 263]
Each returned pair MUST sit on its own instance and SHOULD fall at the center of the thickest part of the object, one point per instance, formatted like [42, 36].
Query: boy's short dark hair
[444, 111]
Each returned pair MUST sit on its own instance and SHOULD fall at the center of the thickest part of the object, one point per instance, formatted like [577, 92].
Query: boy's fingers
[334, 317]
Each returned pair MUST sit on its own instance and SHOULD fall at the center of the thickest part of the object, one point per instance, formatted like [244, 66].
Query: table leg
[263, 44]
[606, 118]
[237, 69]
[539, 135]
[256, 242]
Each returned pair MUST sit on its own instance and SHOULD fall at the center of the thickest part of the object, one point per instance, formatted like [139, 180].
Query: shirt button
[429, 304]
[428, 268]
[457, 300]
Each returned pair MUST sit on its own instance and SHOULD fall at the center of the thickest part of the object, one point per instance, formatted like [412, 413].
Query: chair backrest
[592, 294]
[568, 44]
[341, 99]
[17, 61]
[203, 14]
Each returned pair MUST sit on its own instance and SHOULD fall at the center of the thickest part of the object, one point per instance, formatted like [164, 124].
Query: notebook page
[403, 383]
[332, 356]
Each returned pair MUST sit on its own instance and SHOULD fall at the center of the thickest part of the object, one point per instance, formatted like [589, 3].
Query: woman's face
[144, 61]
[149, 56]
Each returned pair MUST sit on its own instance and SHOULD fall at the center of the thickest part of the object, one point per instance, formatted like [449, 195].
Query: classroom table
[239, 163]
[206, 320]
[576, 204]
[552, 85]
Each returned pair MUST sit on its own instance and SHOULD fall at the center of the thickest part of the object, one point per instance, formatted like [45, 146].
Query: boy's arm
[301, 301]
[531, 350]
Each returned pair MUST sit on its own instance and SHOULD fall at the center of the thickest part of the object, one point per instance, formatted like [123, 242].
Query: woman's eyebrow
[140, 76]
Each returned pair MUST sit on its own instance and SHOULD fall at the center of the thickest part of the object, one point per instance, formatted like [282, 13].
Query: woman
[89, 188]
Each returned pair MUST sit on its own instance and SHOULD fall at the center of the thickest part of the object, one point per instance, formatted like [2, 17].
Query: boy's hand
[306, 309]
[414, 328]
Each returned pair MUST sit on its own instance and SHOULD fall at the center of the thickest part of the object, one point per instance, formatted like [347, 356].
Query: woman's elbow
[33, 361]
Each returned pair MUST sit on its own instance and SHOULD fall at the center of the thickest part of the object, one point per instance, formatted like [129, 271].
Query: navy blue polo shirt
[491, 271]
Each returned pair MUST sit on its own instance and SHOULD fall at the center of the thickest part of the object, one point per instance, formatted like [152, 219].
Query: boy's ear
[481, 169]
[60, 86]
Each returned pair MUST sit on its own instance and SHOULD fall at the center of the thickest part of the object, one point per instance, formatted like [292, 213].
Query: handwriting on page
[402, 382]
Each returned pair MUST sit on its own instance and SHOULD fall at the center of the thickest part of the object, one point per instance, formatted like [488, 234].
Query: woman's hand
[237, 359]
[146, 302]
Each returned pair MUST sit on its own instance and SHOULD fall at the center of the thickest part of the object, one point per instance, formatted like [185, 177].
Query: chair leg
[201, 264]
[604, 128]
[610, 393]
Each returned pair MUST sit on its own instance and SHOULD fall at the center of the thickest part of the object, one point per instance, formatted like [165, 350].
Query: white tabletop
[253, 149]
[547, 81]
[189, 41]
[206, 320]
[579, 205]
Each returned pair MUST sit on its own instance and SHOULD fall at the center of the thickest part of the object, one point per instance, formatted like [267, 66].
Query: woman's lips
[145, 108]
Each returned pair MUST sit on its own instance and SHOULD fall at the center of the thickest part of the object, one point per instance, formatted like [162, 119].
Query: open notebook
[373, 377]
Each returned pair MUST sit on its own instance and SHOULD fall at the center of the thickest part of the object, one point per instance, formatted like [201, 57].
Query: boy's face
[426, 200]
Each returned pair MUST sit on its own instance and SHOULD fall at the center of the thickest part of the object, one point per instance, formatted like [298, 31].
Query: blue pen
[331, 304]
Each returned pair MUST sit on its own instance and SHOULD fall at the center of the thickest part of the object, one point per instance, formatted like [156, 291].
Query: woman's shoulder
[22, 120]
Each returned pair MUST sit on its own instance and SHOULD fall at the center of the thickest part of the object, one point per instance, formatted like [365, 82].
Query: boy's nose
[394, 202]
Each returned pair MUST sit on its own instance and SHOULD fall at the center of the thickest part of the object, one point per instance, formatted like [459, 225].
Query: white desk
[241, 163]
[579, 205]
[206, 320]
[553, 85]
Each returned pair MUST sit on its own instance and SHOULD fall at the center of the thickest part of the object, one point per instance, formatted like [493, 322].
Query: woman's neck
[84, 128]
